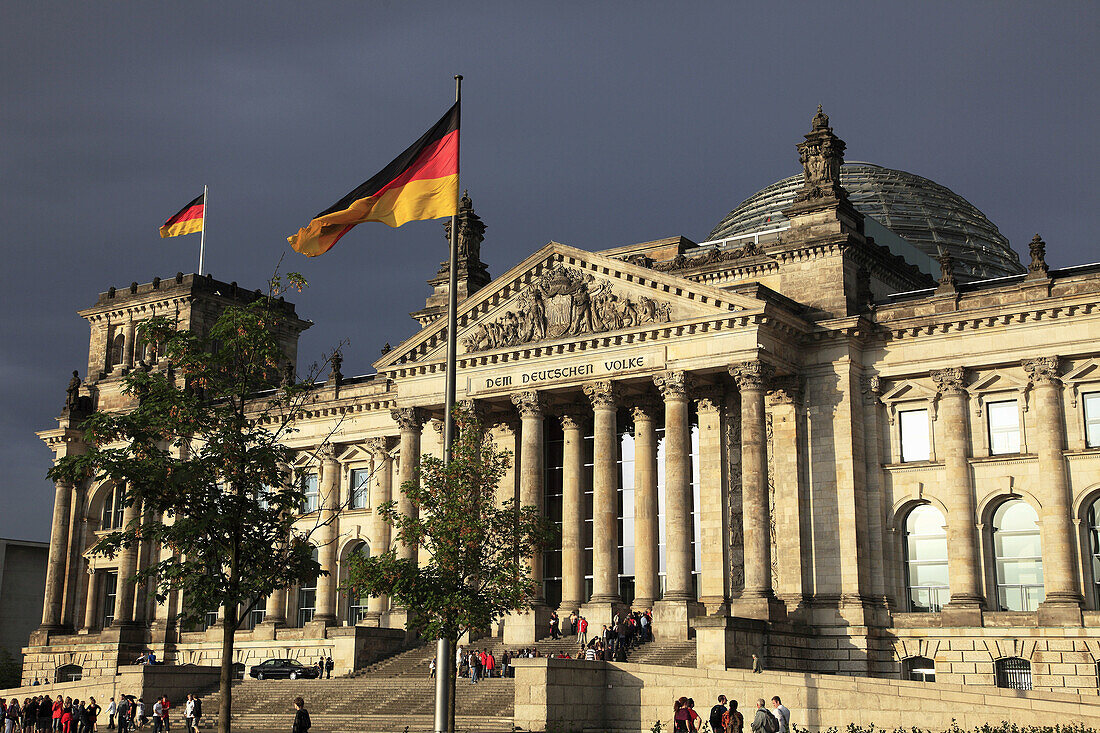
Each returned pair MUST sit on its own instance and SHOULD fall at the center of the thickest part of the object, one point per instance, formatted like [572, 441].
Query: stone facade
[738, 436]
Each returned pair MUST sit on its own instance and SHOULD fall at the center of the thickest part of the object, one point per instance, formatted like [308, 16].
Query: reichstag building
[849, 433]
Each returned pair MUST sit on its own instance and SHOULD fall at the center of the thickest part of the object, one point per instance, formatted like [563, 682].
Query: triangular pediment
[561, 293]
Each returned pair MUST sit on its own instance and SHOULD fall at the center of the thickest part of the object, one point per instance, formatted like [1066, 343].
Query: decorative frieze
[566, 302]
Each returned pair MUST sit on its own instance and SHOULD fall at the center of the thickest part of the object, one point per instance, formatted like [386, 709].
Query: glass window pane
[1092, 419]
[1004, 427]
[914, 436]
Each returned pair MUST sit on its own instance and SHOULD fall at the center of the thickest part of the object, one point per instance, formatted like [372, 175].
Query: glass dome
[928, 215]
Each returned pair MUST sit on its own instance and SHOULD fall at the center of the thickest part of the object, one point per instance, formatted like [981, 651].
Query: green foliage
[477, 548]
[202, 462]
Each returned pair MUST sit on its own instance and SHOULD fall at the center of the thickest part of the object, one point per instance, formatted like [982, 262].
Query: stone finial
[752, 374]
[950, 381]
[601, 394]
[1037, 268]
[336, 361]
[471, 230]
[529, 403]
[1042, 370]
[821, 155]
[408, 418]
[948, 282]
[387, 348]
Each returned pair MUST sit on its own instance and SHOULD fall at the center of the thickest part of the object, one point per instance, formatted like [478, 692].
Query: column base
[1060, 612]
[643, 604]
[599, 611]
[716, 605]
[372, 619]
[761, 608]
[962, 613]
[523, 628]
[672, 618]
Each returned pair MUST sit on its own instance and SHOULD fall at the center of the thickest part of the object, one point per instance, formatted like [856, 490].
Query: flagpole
[444, 654]
[202, 237]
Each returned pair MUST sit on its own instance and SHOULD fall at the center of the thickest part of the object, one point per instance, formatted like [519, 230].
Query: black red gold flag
[187, 220]
[421, 183]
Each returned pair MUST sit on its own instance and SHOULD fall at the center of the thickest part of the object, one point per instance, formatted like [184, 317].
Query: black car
[282, 669]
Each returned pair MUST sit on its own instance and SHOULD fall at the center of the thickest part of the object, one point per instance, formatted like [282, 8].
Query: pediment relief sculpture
[566, 302]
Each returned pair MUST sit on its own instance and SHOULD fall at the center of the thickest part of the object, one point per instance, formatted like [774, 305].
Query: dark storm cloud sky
[592, 124]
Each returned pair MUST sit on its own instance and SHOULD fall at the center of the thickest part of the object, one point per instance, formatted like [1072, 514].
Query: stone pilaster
[713, 498]
[328, 485]
[785, 402]
[58, 556]
[91, 603]
[758, 597]
[963, 558]
[75, 568]
[1062, 606]
[528, 626]
[410, 421]
[572, 509]
[672, 614]
[646, 561]
[382, 473]
[605, 521]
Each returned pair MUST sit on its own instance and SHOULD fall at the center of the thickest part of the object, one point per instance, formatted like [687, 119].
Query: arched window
[357, 605]
[1013, 673]
[926, 559]
[118, 344]
[112, 509]
[920, 669]
[69, 673]
[1017, 556]
[1092, 518]
[307, 598]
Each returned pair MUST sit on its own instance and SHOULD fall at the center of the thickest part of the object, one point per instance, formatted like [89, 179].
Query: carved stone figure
[565, 302]
[72, 393]
[1037, 248]
[821, 155]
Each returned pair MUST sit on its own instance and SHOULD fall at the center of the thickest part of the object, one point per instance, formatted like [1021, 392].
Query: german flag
[187, 220]
[421, 183]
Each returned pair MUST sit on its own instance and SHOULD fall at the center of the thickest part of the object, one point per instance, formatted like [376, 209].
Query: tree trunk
[225, 682]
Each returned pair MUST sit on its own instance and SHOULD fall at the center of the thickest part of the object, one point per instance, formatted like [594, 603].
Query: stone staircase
[396, 695]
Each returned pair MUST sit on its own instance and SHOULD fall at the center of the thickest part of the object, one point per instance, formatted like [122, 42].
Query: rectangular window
[1092, 419]
[312, 496]
[915, 445]
[360, 488]
[110, 590]
[1004, 427]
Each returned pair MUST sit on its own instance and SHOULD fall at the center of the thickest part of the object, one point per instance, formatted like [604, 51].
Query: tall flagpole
[202, 237]
[444, 654]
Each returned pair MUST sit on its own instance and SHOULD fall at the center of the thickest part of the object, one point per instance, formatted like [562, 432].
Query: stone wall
[145, 682]
[567, 695]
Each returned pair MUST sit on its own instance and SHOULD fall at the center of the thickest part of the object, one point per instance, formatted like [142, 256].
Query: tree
[202, 453]
[477, 547]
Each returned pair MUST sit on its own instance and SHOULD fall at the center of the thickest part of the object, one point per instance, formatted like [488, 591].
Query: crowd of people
[726, 718]
[43, 714]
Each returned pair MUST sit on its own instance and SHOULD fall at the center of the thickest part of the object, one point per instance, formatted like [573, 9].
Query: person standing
[763, 721]
[197, 712]
[112, 708]
[93, 714]
[301, 717]
[189, 714]
[158, 717]
[165, 706]
[582, 630]
[782, 714]
[733, 721]
[11, 716]
[328, 667]
[716, 714]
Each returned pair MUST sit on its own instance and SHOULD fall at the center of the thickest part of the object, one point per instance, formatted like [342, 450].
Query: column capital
[950, 381]
[529, 403]
[408, 418]
[572, 415]
[710, 397]
[752, 374]
[674, 385]
[475, 409]
[1042, 370]
[786, 391]
[379, 448]
[326, 452]
[602, 394]
[644, 407]
[437, 426]
[504, 425]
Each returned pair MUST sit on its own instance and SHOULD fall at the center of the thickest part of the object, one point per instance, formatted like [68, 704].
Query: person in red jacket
[55, 714]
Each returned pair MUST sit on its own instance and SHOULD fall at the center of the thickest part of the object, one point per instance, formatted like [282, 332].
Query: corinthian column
[963, 560]
[58, 556]
[328, 485]
[572, 509]
[714, 579]
[409, 420]
[1062, 606]
[605, 515]
[380, 529]
[127, 564]
[674, 387]
[529, 626]
[758, 597]
[646, 561]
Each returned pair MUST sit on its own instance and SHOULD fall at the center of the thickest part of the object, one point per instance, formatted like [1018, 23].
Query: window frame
[902, 435]
[938, 592]
[909, 672]
[311, 500]
[999, 586]
[995, 405]
[1094, 398]
[1003, 674]
[355, 493]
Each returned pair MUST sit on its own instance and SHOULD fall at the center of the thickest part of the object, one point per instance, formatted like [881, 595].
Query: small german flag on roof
[421, 183]
[187, 220]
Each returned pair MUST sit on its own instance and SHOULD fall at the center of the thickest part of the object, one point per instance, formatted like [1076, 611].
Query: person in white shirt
[782, 714]
[158, 720]
[112, 708]
[189, 713]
